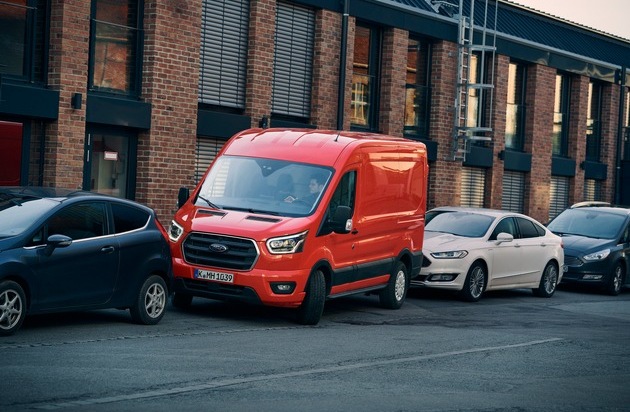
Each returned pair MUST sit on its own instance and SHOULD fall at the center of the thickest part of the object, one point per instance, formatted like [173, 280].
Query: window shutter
[207, 150]
[223, 60]
[592, 190]
[473, 187]
[559, 195]
[513, 191]
[293, 60]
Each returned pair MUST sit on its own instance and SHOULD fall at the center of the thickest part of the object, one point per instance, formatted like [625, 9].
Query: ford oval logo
[218, 247]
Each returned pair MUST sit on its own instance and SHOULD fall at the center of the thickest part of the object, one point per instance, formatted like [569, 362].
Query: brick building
[134, 98]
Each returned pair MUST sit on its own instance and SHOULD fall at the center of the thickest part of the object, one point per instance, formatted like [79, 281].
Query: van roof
[311, 145]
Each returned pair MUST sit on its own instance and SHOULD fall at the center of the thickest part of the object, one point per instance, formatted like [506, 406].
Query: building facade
[135, 97]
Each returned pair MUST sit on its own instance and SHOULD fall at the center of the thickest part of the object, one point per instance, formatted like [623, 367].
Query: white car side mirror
[504, 237]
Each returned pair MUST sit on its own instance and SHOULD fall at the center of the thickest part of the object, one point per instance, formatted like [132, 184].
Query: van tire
[311, 309]
[393, 296]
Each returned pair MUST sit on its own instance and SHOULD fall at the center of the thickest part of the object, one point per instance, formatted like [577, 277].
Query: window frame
[374, 60]
[421, 89]
[560, 143]
[519, 103]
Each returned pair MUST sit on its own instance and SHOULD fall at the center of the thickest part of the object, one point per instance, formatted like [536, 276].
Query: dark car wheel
[475, 283]
[393, 296]
[310, 312]
[151, 302]
[181, 300]
[616, 280]
[548, 282]
[12, 307]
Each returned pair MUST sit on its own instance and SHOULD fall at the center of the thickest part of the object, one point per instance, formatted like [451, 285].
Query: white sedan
[473, 250]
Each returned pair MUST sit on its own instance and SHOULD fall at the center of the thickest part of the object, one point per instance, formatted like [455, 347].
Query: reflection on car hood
[577, 245]
[439, 242]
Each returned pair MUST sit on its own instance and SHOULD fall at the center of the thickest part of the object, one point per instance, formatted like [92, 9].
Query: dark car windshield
[596, 224]
[18, 213]
[459, 223]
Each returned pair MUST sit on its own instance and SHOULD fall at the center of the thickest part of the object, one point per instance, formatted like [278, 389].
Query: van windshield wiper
[250, 210]
[208, 202]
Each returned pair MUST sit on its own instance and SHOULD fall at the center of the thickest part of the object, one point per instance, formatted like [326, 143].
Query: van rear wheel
[393, 296]
[310, 312]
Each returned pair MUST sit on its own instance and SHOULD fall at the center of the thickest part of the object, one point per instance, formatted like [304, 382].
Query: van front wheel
[310, 312]
[393, 296]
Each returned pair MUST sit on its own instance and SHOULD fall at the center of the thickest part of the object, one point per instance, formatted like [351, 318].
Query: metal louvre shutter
[513, 191]
[207, 150]
[558, 196]
[223, 60]
[293, 60]
[473, 186]
[592, 190]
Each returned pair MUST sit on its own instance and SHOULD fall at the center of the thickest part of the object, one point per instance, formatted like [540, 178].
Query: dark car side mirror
[341, 222]
[56, 241]
[182, 196]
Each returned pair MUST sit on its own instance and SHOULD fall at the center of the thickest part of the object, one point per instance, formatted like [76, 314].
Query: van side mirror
[182, 196]
[341, 222]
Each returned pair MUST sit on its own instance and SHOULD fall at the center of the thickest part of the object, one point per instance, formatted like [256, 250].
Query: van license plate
[216, 276]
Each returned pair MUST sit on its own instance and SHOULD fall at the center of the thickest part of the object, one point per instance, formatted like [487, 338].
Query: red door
[10, 153]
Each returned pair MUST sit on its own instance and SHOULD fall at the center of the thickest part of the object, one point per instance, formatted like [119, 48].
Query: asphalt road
[510, 351]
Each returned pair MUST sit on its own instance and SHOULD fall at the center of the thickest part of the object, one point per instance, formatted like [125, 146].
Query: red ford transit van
[290, 218]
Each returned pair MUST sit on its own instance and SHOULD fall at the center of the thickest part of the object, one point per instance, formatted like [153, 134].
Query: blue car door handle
[107, 249]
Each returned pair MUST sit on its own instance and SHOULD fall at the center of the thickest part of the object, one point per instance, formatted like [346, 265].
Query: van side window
[344, 193]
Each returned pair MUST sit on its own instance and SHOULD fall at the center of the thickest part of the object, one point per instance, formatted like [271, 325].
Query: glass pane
[557, 134]
[114, 57]
[110, 161]
[12, 37]
[10, 153]
[360, 105]
[123, 13]
[511, 126]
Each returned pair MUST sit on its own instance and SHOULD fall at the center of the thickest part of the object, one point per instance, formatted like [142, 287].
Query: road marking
[293, 374]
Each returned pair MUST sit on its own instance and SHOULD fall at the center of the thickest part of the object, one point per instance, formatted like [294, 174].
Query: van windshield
[266, 186]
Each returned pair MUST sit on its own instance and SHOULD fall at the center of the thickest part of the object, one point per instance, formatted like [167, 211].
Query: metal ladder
[467, 129]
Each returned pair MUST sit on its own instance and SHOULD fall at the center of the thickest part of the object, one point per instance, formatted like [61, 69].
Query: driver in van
[315, 186]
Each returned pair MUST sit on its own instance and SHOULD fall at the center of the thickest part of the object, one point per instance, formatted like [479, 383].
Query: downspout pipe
[341, 95]
[620, 124]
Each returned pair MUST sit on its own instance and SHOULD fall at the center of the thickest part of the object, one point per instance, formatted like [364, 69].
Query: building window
[293, 61]
[23, 36]
[11, 153]
[513, 191]
[207, 150]
[365, 77]
[592, 190]
[116, 46]
[223, 60]
[561, 116]
[473, 186]
[515, 110]
[558, 196]
[626, 129]
[418, 91]
[593, 122]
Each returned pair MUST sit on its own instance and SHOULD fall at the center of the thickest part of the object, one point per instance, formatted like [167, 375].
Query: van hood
[581, 245]
[244, 224]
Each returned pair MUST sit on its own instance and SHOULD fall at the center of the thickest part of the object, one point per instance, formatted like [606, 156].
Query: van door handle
[354, 231]
[107, 249]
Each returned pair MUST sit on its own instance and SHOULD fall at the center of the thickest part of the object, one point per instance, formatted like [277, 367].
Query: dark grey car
[68, 250]
[596, 246]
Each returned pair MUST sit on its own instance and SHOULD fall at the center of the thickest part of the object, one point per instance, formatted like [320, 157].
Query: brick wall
[610, 122]
[68, 73]
[260, 54]
[394, 72]
[170, 84]
[326, 69]
[539, 100]
[445, 175]
[578, 113]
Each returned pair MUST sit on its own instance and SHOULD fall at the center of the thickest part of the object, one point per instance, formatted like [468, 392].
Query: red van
[290, 218]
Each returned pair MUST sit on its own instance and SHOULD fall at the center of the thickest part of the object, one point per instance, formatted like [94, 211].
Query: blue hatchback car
[67, 250]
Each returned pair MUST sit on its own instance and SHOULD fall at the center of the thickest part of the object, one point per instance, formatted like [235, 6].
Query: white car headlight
[453, 254]
[599, 255]
[175, 231]
[287, 244]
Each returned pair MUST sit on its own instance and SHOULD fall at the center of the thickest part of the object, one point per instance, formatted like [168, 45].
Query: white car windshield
[458, 223]
[266, 186]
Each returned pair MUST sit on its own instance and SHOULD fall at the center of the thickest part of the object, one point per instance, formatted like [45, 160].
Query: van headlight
[453, 254]
[175, 231]
[287, 244]
[599, 255]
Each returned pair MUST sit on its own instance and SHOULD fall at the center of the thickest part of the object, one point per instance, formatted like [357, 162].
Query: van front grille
[207, 249]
